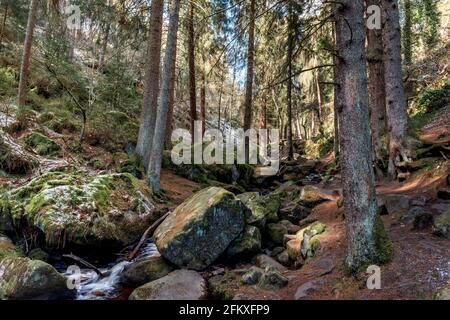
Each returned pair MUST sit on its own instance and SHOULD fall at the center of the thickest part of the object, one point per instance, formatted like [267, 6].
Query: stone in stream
[246, 245]
[441, 225]
[73, 207]
[142, 272]
[177, 285]
[199, 230]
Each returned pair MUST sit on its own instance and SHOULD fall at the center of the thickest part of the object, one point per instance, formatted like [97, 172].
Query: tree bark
[377, 95]
[191, 65]
[407, 34]
[25, 67]
[356, 162]
[101, 60]
[395, 95]
[169, 122]
[290, 48]
[154, 169]
[249, 80]
[203, 101]
[336, 102]
[148, 115]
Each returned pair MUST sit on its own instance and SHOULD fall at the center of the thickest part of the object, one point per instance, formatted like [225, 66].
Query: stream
[93, 287]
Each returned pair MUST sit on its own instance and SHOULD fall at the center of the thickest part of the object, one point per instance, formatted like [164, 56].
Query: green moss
[42, 145]
[223, 287]
[383, 243]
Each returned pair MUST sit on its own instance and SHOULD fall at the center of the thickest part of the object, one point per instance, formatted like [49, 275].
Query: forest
[224, 150]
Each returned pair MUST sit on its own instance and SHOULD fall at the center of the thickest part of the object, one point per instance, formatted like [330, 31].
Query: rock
[246, 245]
[75, 208]
[142, 272]
[441, 225]
[272, 279]
[276, 251]
[311, 196]
[223, 287]
[423, 221]
[411, 214]
[293, 248]
[263, 261]
[276, 232]
[325, 266]
[307, 288]
[396, 203]
[311, 243]
[283, 258]
[443, 293]
[22, 278]
[199, 230]
[177, 285]
[252, 276]
[39, 254]
[263, 209]
[42, 145]
[444, 194]
[294, 212]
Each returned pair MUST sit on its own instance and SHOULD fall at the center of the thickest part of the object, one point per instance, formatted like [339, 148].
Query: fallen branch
[85, 263]
[145, 236]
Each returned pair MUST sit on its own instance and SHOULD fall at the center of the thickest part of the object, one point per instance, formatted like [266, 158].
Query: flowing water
[94, 287]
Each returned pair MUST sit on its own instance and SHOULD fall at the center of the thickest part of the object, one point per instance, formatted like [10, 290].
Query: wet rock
[177, 285]
[246, 245]
[252, 276]
[396, 203]
[71, 207]
[22, 278]
[272, 279]
[263, 261]
[444, 194]
[39, 254]
[441, 225]
[142, 272]
[199, 230]
[423, 221]
[263, 209]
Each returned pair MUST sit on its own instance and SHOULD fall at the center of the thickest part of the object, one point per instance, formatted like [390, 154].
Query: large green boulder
[263, 209]
[198, 231]
[76, 208]
[177, 285]
[246, 245]
[22, 278]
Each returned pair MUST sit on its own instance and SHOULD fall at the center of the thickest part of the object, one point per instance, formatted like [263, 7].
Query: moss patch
[42, 145]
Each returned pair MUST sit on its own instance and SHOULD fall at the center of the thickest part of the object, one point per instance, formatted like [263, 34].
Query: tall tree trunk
[356, 162]
[169, 121]
[377, 97]
[150, 102]
[249, 80]
[336, 102]
[5, 16]
[191, 65]
[203, 100]
[290, 48]
[101, 60]
[154, 170]
[25, 67]
[395, 95]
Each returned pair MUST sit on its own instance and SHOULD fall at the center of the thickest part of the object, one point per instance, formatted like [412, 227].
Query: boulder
[22, 278]
[252, 276]
[144, 271]
[441, 225]
[223, 287]
[177, 285]
[293, 248]
[198, 231]
[263, 261]
[276, 232]
[294, 212]
[39, 254]
[283, 258]
[311, 196]
[75, 208]
[410, 215]
[263, 209]
[272, 279]
[246, 245]
[396, 203]
[310, 239]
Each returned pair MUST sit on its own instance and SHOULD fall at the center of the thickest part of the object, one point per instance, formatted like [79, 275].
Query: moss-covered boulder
[263, 209]
[42, 145]
[310, 239]
[13, 159]
[252, 276]
[22, 278]
[177, 285]
[223, 287]
[75, 208]
[441, 225]
[246, 245]
[311, 196]
[199, 230]
[272, 279]
[294, 212]
[276, 232]
[142, 272]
